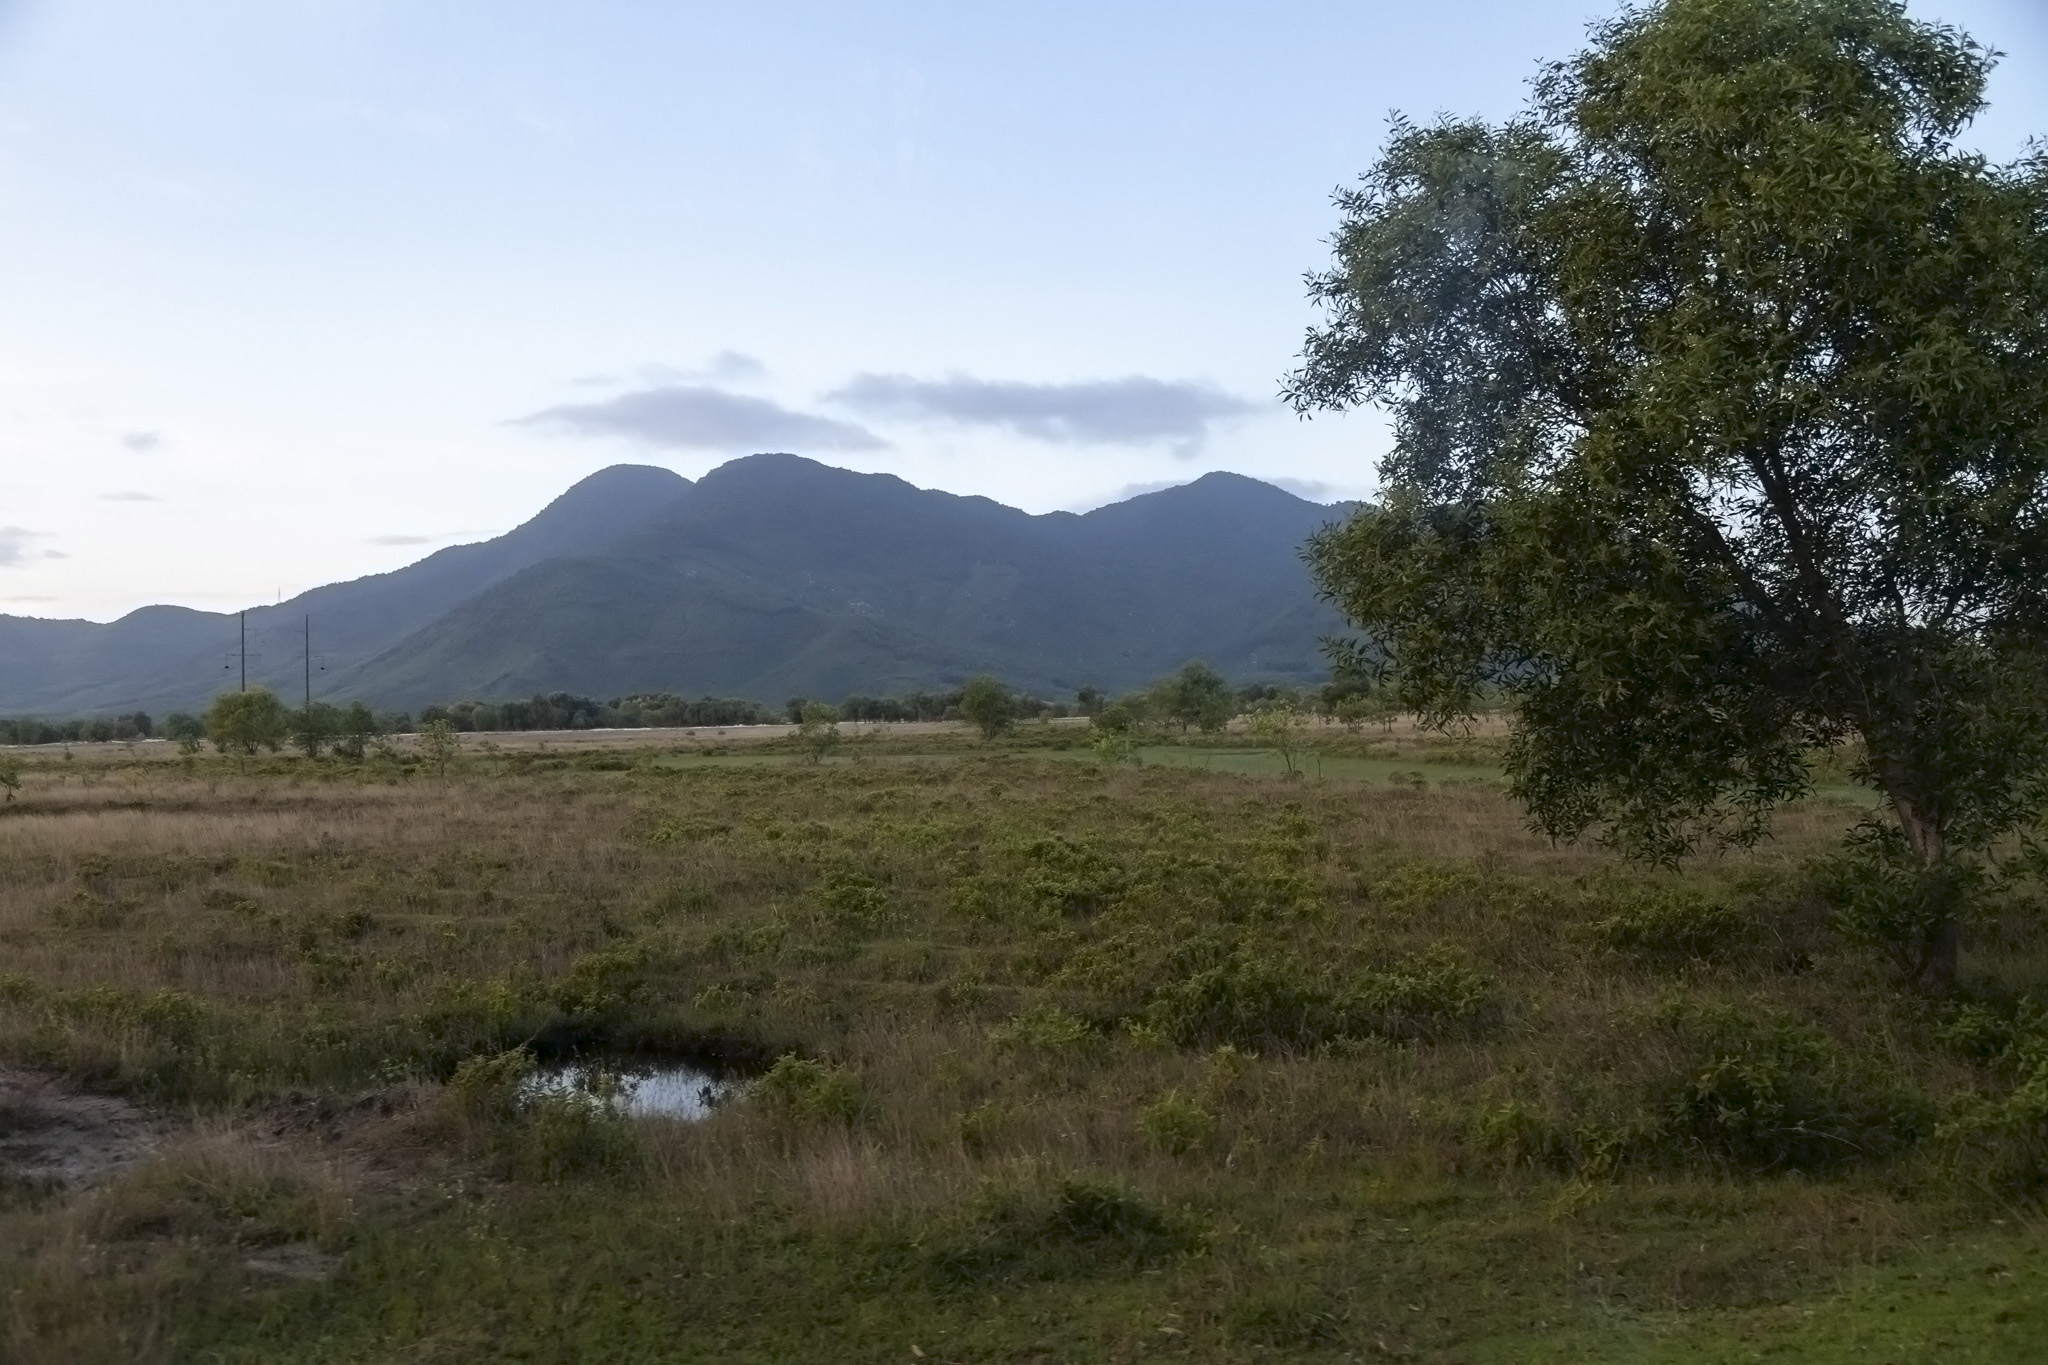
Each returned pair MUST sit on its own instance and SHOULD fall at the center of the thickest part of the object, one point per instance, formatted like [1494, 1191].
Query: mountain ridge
[771, 575]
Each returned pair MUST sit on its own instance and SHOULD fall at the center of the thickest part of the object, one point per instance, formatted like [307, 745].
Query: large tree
[1720, 394]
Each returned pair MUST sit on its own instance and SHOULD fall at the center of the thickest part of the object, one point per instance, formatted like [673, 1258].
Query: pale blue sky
[295, 290]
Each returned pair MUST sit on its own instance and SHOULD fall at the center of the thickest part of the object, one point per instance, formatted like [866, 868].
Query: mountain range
[772, 576]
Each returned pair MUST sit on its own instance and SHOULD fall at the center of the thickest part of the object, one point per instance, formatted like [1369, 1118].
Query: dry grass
[249, 946]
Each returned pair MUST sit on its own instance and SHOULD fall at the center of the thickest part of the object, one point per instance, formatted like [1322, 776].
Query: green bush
[1672, 925]
[1767, 1092]
[569, 1134]
[2002, 1136]
[1047, 1028]
[811, 1091]
[1747, 1090]
[487, 1087]
[853, 900]
[1176, 1124]
[1256, 1002]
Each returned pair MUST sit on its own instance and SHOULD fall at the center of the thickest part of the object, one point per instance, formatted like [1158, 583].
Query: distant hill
[772, 576]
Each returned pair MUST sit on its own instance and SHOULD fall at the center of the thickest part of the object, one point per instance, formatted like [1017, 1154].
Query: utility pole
[239, 656]
[309, 665]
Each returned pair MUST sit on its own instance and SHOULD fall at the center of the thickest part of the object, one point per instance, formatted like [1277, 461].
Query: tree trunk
[1934, 969]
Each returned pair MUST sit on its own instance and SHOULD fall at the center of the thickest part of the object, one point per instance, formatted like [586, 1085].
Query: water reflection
[639, 1089]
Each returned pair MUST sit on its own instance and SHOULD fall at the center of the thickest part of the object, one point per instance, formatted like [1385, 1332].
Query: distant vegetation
[1195, 697]
[89, 730]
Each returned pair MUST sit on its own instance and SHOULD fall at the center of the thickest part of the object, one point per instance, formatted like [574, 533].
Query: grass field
[1051, 1060]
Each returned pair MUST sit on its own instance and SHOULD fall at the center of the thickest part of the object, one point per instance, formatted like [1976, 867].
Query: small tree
[439, 745]
[817, 730]
[242, 722]
[1277, 724]
[185, 730]
[354, 728]
[314, 726]
[1197, 697]
[988, 705]
[10, 775]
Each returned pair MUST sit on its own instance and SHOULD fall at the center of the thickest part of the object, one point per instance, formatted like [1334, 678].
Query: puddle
[639, 1089]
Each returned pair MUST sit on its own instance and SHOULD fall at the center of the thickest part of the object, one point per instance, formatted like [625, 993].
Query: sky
[293, 291]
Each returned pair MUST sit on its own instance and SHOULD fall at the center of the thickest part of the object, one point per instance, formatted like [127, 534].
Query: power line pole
[245, 651]
[309, 665]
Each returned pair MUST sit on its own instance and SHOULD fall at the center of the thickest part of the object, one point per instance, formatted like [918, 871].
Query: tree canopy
[988, 705]
[1720, 393]
[246, 721]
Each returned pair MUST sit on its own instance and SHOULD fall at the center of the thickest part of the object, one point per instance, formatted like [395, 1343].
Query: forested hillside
[772, 576]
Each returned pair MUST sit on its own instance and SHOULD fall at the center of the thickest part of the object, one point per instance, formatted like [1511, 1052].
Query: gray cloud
[142, 442]
[129, 495]
[731, 365]
[1133, 411]
[14, 545]
[695, 417]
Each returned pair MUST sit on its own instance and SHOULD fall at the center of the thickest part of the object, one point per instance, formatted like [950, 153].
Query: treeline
[929, 706]
[91, 730]
[568, 711]
[1196, 697]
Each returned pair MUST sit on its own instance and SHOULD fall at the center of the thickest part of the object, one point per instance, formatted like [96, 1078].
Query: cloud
[142, 442]
[14, 545]
[405, 540]
[696, 417]
[129, 495]
[727, 367]
[731, 365]
[1314, 490]
[1132, 411]
[1139, 490]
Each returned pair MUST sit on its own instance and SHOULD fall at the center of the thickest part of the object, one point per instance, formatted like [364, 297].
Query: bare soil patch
[53, 1134]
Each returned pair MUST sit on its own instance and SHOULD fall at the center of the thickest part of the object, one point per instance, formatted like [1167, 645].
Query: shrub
[1767, 1092]
[487, 1087]
[1258, 1002]
[1882, 897]
[2004, 1136]
[811, 1091]
[1176, 1125]
[1047, 1027]
[1671, 925]
[1748, 1090]
[567, 1134]
[1091, 1226]
[1106, 1212]
[853, 900]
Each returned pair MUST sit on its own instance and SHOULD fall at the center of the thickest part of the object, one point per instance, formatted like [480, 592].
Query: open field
[693, 737]
[1189, 1061]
